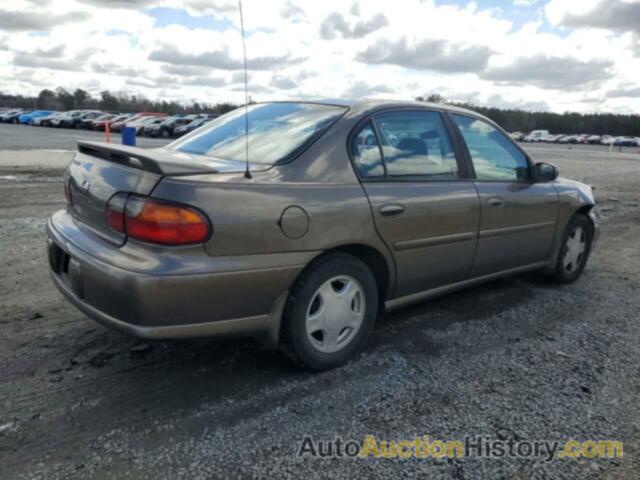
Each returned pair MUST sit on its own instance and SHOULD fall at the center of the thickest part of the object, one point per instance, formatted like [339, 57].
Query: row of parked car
[151, 124]
[543, 136]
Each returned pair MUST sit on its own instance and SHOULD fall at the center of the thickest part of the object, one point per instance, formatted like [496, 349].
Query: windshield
[197, 123]
[276, 131]
[140, 120]
[170, 120]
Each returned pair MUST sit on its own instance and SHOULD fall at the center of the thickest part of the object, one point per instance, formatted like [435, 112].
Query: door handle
[391, 209]
[495, 202]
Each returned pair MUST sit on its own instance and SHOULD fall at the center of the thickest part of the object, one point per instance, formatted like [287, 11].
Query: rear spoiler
[151, 160]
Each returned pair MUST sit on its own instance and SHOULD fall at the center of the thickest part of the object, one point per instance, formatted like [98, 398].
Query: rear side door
[424, 206]
[518, 215]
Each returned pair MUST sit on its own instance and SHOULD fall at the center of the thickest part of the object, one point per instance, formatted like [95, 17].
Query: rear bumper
[227, 300]
[263, 327]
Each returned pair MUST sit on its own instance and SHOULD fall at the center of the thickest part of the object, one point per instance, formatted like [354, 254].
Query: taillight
[115, 211]
[157, 221]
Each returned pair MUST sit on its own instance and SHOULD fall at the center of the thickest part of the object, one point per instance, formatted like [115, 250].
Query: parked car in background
[326, 230]
[184, 129]
[27, 118]
[4, 115]
[624, 142]
[42, 121]
[117, 126]
[75, 121]
[87, 120]
[14, 116]
[63, 119]
[139, 124]
[569, 139]
[166, 128]
[607, 140]
[54, 121]
[99, 123]
[594, 140]
[517, 136]
[537, 136]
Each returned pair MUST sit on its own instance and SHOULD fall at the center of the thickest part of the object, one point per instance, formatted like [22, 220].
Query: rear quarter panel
[246, 213]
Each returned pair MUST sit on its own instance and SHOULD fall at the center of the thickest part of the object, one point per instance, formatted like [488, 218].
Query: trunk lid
[100, 170]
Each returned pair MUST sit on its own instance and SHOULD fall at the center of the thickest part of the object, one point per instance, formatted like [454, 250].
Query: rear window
[277, 131]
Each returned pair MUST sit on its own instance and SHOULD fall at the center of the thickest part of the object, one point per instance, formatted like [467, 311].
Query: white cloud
[617, 15]
[331, 48]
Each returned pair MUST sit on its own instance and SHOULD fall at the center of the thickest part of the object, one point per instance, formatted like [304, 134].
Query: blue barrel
[129, 136]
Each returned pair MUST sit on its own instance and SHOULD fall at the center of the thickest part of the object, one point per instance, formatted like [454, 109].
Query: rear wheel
[165, 133]
[576, 246]
[330, 312]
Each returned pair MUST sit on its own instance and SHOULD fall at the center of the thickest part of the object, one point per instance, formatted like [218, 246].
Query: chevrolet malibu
[298, 223]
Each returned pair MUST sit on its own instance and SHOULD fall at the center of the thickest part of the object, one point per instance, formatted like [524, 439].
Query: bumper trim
[265, 328]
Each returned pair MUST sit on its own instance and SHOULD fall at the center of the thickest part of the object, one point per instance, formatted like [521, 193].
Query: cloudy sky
[579, 55]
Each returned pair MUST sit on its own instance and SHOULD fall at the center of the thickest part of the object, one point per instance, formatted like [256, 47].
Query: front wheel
[329, 313]
[576, 246]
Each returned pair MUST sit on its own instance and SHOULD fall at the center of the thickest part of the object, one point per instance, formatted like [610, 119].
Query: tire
[165, 133]
[352, 294]
[569, 266]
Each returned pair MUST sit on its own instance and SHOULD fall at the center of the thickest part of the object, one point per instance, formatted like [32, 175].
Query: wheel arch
[282, 335]
[382, 268]
[584, 210]
[376, 261]
[383, 271]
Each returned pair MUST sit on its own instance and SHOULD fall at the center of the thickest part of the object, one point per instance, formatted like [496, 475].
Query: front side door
[424, 208]
[518, 215]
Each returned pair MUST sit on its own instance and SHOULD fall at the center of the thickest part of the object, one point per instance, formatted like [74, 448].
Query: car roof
[370, 105]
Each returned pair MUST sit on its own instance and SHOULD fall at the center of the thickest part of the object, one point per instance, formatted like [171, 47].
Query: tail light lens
[115, 211]
[158, 221]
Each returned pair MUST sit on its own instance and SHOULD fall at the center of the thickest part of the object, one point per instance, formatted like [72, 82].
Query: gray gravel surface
[516, 359]
[25, 137]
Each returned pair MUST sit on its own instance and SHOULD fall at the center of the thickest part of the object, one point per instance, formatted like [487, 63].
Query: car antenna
[247, 171]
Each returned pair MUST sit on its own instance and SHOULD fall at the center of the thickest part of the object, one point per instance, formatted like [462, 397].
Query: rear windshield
[277, 131]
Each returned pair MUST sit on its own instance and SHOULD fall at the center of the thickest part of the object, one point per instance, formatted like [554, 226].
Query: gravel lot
[517, 358]
[23, 137]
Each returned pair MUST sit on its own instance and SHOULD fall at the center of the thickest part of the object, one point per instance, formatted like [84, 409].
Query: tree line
[567, 123]
[509, 119]
[62, 99]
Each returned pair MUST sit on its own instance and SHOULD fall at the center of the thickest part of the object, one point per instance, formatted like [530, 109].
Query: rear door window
[416, 144]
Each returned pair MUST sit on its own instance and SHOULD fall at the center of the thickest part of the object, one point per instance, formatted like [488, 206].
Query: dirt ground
[516, 358]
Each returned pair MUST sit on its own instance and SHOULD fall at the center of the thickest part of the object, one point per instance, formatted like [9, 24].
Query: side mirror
[545, 172]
